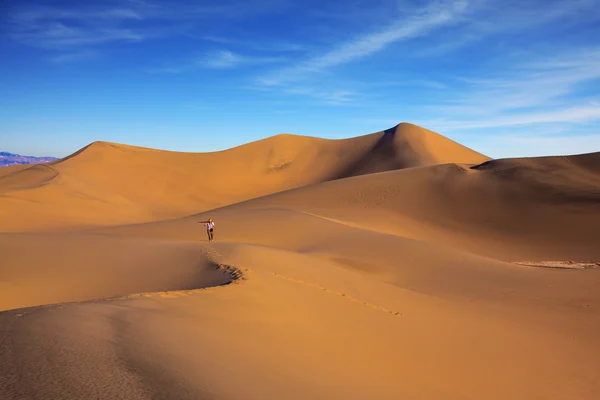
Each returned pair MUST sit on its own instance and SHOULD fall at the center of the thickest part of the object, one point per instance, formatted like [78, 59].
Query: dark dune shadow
[391, 151]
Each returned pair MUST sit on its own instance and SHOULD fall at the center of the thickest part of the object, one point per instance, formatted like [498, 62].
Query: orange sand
[378, 267]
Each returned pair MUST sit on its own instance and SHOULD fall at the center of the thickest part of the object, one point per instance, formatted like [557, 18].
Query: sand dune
[29, 177]
[299, 327]
[506, 209]
[8, 170]
[380, 267]
[107, 183]
[76, 267]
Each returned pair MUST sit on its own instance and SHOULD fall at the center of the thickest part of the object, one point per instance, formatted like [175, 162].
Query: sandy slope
[512, 210]
[108, 183]
[51, 268]
[302, 327]
[378, 286]
[507, 209]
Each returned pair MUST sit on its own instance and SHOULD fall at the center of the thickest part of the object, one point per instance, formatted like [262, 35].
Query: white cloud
[259, 45]
[221, 59]
[60, 36]
[66, 58]
[421, 23]
[411, 82]
[535, 96]
[572, 115]
[67, 28]
[37, 14]
[331, 97]
[445, 46]
[513, 18]
[535, 87]
[78, 25]
[228, 59]
[520, 145]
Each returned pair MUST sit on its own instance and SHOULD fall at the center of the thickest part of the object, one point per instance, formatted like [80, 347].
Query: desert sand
[395, 265]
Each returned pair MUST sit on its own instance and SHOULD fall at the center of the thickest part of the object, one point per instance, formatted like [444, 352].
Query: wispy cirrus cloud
[220, 59]
[422, 22]
[571, 115]
[259, 45]
[303, 78]
[330, 97]
[228, 59]
[60, 36]
[549, 101]
[514, 18]
[469, 22]
[37, 14]
[133, 20]
[62, 29]
[526, 86]
[545, 141]
[543, 91]
[76, 32]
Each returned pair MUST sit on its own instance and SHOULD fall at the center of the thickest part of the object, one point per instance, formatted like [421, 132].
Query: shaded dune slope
[512, 209]
[123, 184]
[406, 146]
[445, 230]
[40, 268]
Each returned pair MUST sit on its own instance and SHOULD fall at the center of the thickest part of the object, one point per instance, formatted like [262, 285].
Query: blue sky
[505, 77]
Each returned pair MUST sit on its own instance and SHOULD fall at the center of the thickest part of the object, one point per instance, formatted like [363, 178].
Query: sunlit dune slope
[52, 268]
[511, 209]
[107, 183]
[311, 325]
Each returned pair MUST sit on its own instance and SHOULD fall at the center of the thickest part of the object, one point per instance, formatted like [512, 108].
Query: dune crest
[406, 146]
[135, 184]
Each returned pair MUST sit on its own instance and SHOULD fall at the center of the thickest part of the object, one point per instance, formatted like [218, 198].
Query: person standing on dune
[209, 228]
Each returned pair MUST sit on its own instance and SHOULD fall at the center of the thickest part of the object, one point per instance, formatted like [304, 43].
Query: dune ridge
[547, 209]
[134, 184]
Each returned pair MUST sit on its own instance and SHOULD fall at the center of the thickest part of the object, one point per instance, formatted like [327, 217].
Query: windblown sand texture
[395, 265]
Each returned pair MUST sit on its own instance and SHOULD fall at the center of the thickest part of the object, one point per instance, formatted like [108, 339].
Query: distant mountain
[14, 159]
